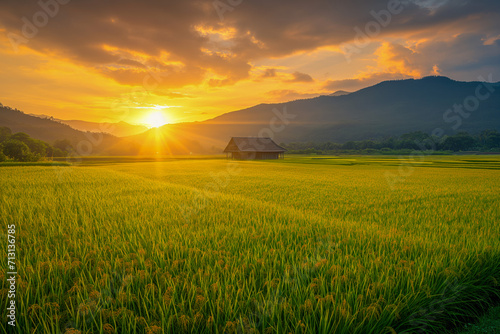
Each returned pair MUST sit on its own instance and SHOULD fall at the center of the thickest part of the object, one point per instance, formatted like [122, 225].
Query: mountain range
[118, 129]
[51, 130]
[390, 108]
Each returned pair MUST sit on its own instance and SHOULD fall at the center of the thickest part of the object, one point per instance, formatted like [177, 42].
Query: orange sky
[121, 61]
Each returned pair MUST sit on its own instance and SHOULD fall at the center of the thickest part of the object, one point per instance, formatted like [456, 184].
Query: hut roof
[253, 144]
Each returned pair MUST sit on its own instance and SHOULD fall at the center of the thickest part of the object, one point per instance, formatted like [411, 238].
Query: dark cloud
[465, 56]
[185, 42]
[269, 73]
[368, 80]
[300, 77]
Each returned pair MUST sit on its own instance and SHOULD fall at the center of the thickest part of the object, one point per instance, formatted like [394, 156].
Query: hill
[390, 108]
[340, 93]
[50, 131]
[119, 129]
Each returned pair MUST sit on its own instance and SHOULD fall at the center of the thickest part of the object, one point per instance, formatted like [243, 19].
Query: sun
[156, 119]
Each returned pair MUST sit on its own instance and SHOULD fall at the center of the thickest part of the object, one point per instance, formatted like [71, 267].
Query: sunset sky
[141, 61]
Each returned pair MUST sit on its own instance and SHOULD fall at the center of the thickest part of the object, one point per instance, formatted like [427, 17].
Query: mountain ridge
[51, 131]
[118, 129]
[389, 108]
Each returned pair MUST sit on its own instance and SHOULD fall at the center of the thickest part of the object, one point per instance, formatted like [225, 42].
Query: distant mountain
[120, 129]
[340, 93]
[50, 130]
[389, 108]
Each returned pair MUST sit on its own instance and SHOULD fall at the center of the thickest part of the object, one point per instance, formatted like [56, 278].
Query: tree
[2, 156]
[21, 136]
[5, 133]
[409, 144]
[55, 152]
[389, 143]
[350, 145]
[418, 136]
[490, 139]
[37, 147]
[17, 150]
[63, 144]
[367, 144]
[460, 142]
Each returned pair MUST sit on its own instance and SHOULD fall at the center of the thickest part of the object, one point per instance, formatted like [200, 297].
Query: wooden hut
[253, 148]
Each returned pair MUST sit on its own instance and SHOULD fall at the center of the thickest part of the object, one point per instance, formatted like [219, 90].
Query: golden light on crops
[358, 261]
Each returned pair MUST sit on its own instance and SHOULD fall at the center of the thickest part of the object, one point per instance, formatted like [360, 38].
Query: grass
[37, 163]
[489, 324]
[304, 245]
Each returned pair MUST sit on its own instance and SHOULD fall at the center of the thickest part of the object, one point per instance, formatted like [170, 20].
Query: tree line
[21, 147]
[486, 141]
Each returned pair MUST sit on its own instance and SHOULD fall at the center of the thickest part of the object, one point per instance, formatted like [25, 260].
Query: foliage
[63, 145]
[32, 150]
[34, 163]
[37, 147]
[488, 140]
[5, 133]
[489, 324]
[17, 150]
[304, 245]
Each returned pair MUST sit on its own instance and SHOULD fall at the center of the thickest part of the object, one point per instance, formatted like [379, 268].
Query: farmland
[304, 245]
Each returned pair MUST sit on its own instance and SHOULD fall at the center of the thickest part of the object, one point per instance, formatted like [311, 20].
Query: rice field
[304, 245]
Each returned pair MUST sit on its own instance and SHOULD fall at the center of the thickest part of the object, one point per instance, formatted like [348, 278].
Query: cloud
[112, 54]
[362, 82]
[172, 95]
[463, 56]
[268, 73]
[125, 40]
[300, 77]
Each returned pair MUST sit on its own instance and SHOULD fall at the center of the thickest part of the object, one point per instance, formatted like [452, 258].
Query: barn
[253, 148]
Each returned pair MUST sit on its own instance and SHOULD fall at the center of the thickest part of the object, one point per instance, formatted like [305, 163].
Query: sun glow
[156, 119]
[156, 116]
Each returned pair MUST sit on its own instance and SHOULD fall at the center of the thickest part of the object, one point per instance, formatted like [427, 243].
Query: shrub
[17, 150]
[5, 133]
